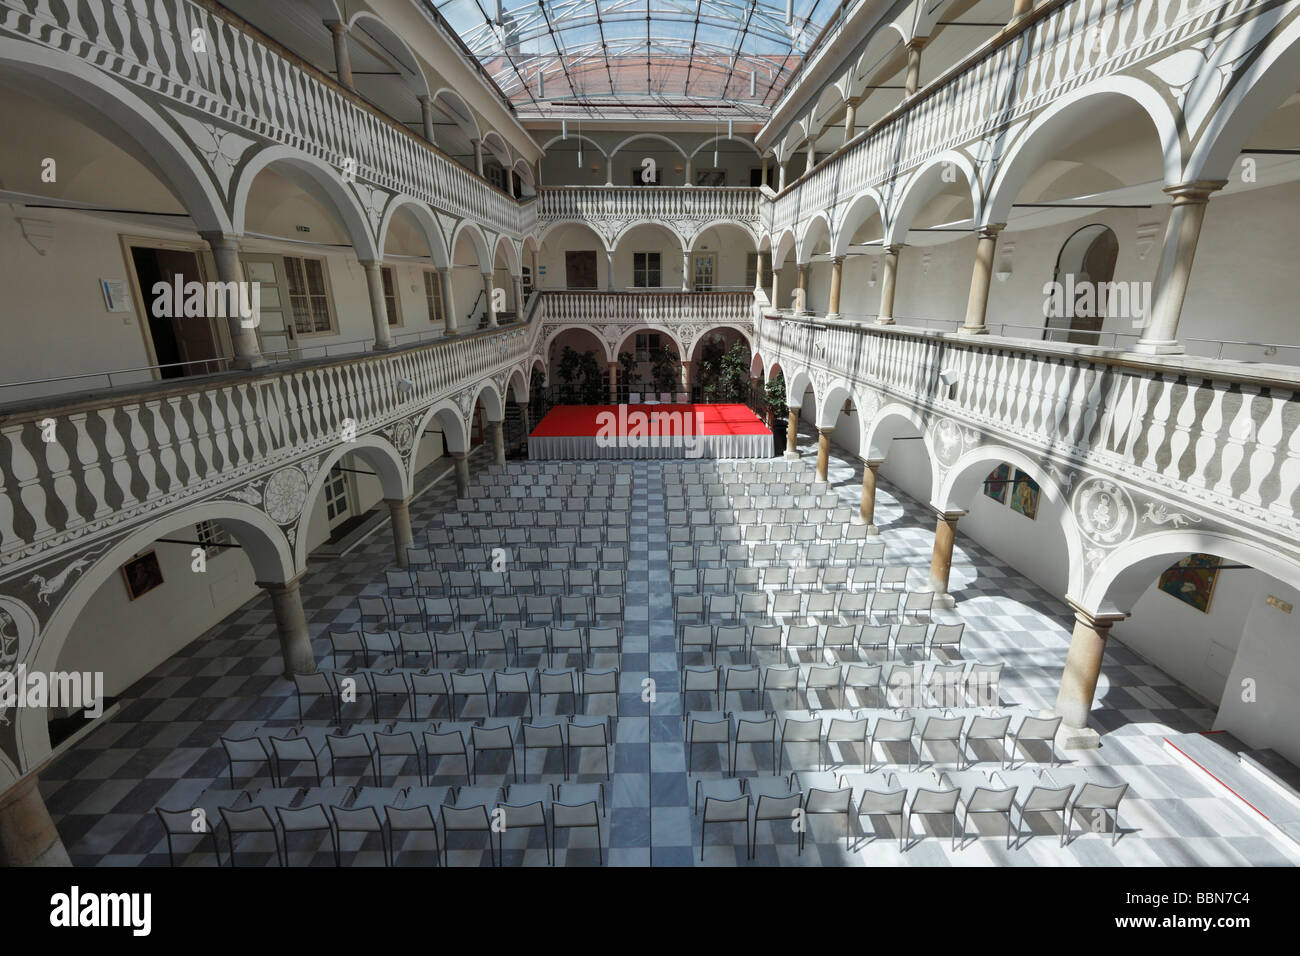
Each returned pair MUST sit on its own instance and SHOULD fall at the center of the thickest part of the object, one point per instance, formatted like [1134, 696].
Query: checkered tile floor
[162, 748]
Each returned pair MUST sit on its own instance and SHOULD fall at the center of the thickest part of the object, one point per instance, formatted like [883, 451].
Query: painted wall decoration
[995, 485]
[142, 574]
[1024, 495]
[1192, 580]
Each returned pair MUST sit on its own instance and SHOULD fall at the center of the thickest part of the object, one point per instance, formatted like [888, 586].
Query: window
[639, 177]
[495, 175]
[646, 273]
[756, 176]
[580, 269]
[710, 177]
[704, 265]
[433, 295]
[751, 270]
[647, 343]
[526, 281]
[390, 295]
[212, 537]
[308, 295]
[336, 495]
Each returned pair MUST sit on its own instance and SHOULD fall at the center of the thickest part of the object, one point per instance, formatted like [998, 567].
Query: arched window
[1084, 270]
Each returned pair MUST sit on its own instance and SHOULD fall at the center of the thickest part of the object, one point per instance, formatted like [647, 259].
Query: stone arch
[725, 139]
[956, 487]
[539, 360]
[425, 222]
[561, 138]
[637, 223]
[863, 207]
[893, 420]
[797, 383]
[1123, 575]
[924, 185]
[1064, 122]
[454, 433]
[483, 254]
[883, 42]
[570, 223]
[308, 172]
[493, 403]
[757, 368]
[458, 110]
[377, 452]
[112, 109]
[1252, 95]
[396, 50]
[809, 238]
[581, 327]
[783, 246]
[828, 408]
[716, 223]
[262, 541]
[498, 147]
[655, 136]
[631, 331]
[505, 249]
[517, 385]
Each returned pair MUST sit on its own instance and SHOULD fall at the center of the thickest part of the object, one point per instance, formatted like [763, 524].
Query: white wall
[1269, 656]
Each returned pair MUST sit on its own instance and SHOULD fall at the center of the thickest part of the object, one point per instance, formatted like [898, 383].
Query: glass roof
[593, 52]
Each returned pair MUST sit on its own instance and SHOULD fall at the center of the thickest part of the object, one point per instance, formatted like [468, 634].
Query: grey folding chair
[935, 803]
[718, 810]
[449, 743]
[714, 729]
[1035, 730]
[1099, 801]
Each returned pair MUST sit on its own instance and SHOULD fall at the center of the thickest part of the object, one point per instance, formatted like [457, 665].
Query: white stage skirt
[707, 446]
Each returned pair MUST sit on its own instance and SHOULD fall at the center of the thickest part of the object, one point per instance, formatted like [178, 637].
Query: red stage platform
[650, 431]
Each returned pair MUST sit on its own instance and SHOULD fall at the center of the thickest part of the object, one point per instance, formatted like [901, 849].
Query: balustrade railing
[592, 203]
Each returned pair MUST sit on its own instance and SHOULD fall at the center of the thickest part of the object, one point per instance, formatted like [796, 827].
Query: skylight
[547, 54]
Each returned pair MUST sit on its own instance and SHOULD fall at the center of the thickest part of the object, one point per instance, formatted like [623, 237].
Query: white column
[850, 119]
[1079, 679]
[497, 432]
[378, 308]
[399, 513]
[887, 284]
[291, 626]
[913, 80]
[686, 272]
[1182, 233]
[518, 283]
[225, 253]
[426, 115]
[609, 269]
[450, 323]
[487, 289]
[478, 156]
[977, 304]
[837, 273]
[28, 836]
[342, 59]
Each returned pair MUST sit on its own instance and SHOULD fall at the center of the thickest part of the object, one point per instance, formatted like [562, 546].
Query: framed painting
[995, 485]
[142, 574]
[1024, 496]
[1192, 580]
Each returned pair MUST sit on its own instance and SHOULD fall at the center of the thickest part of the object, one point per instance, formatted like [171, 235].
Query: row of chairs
[860, 578]
[733, 729]
[787, 607]
[568, 509]
[613, 527]
[283, 755]
[751, 801]
[742, 466]
[426, 614]
[739, 554]
[893, 684]
[540, 535]
[445, 559]
[409, 685]
[544, 639]
[518, 582]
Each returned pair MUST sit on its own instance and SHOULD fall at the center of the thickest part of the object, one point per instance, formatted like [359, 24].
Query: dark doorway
[580, 270]
[176, 338]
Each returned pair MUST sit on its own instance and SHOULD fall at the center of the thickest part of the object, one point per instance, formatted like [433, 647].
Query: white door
[276, 333]
[704, 264]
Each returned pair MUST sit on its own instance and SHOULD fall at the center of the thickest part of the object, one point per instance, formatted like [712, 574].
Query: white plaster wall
[1269, 655]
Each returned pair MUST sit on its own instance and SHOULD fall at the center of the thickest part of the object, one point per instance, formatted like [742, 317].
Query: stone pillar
[461, 461]
[225, 253]
[1079, 680]
[497, 432]
[1182, 232]
[870, 474]
[977, 304]
[812, 154]
[342, 59]
[850, 119]
[792, 434]
[478, 156]
[450, 323]
[1020, 9]
[489, 311]
[686, 272]
[803, 288]
[686, 380]
[378, 308]
[291, 626]
[518, 283]
[613, 383]
[837, 273]
[523, 418]
[823, 452]
[609, 270]
[945, 533]
[888, 282]
[780, 176]
[914, 49]
[776, 287]
[399, 514]
[762, 178]
[688, 175]
[426, 116]
[27, 833]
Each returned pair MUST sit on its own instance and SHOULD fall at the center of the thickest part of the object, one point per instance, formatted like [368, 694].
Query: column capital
[337, 26]
[371, 263]
[398, 502]
[917, 43]
[894, 248]
[990, 230]
[837, 260]
[948, 516]
[1194, 192]
[288, 585]
[1102, 618]
[873, 463]
[221, 239]
[825, 431]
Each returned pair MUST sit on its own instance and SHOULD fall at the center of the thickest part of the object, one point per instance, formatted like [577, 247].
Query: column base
[1159, 348]
[792, 456]
[942, 599]
[832, 315]
[1077, 738]
[872, 531]
[975, 330]
[885, 320]
[381, 346]
[247, 362]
